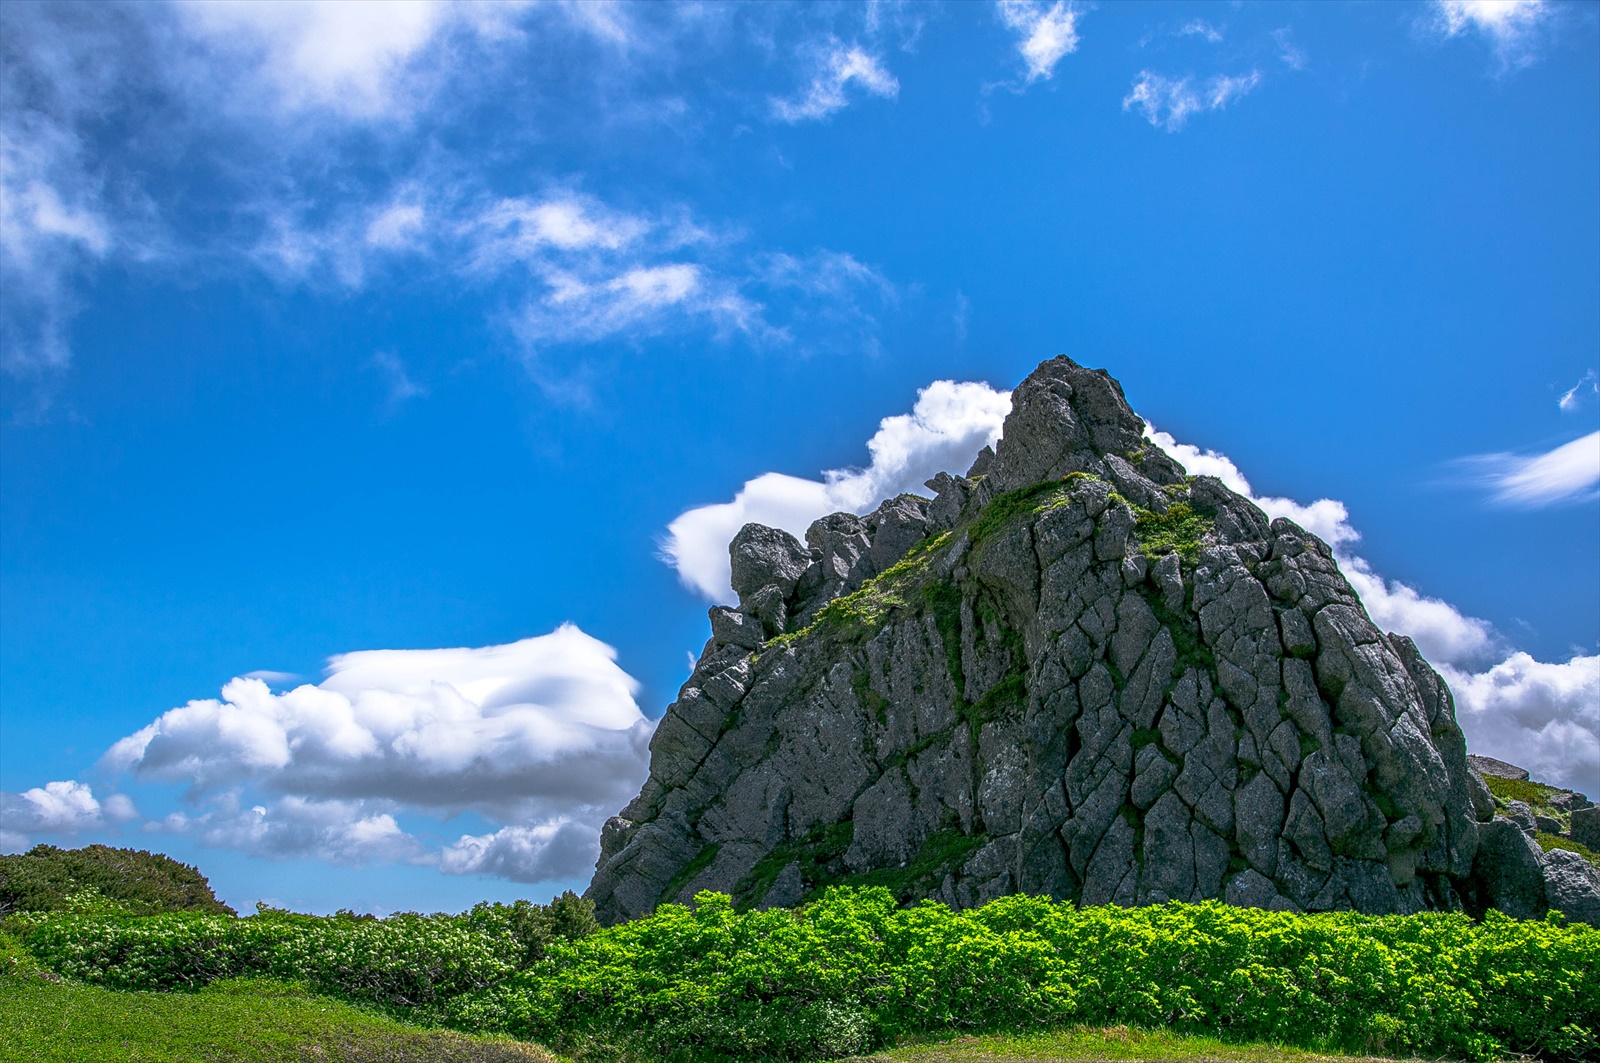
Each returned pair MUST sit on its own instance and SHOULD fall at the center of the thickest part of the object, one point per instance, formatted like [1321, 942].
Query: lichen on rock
[1076, 671]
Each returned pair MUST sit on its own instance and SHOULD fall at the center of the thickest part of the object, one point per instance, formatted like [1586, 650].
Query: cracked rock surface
[1075, 671]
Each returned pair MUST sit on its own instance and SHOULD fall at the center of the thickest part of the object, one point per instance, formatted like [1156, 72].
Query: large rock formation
[1076, 671]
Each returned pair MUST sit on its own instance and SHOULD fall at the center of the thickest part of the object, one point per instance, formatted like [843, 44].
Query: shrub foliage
[854, 970]
[48, 879]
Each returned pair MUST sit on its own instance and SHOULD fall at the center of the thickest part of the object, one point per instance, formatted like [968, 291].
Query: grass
[1099, 1045]
[239, 1021]
[1548, 841]
[1178, 530]
[1534, 794]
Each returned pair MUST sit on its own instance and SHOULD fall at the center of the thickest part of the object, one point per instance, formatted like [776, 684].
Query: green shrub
[404, 961]
[853, 970]
[98, 877]
[700, 980]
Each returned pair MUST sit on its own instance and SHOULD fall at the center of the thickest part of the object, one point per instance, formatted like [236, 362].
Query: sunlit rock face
[1075, 671]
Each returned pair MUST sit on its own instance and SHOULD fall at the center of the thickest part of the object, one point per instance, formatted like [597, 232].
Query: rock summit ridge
[1075, 671]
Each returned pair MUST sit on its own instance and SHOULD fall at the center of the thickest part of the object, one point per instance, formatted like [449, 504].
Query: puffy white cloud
[836, 67]
[1568, 473]
[1046, 33]
[63, 807]
[536, 727]
[548, 852]
[1168, 103]
[1544, 716]
[946, 428]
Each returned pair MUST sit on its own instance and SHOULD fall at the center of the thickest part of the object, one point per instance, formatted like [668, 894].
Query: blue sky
[437, 327]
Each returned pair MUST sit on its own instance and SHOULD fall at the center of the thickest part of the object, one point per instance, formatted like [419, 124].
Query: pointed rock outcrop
[1076, 671]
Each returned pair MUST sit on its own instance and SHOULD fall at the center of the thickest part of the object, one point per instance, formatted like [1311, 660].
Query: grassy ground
[246, 1021]
[1112, 1045]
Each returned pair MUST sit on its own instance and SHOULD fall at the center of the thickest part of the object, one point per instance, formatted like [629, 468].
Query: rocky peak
[1075, 671]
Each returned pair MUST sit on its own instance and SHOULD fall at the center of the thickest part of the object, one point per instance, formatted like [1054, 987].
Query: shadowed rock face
[1075, 672]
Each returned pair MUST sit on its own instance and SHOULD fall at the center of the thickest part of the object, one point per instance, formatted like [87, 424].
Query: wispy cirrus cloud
[1587, 386]
[1046, 33]
[1567, 473]
[1168, 103]
[836, 68]
[1512, 28]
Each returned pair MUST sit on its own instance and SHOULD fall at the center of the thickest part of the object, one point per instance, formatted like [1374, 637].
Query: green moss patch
[1179, 530]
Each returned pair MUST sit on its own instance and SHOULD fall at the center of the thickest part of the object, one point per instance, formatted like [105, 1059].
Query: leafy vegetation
[854, 970]
[406, 961]
[100, 878]
[1178, 530]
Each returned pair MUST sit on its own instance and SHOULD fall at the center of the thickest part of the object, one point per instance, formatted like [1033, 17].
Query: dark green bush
[48, 879]
[404, 961]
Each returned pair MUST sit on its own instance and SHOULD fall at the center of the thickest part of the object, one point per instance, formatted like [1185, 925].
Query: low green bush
[854, 970]
[712, 982]
[404, 961]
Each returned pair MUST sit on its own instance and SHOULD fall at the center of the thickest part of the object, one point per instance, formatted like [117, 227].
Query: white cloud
[946, 428]
[1168, 103]
[64, 807]
[340, 832]
[349, 57]
[549, 852]
[1200, 28]
[1542, 716]
[837, 67]
[1568, 473]
[1510, 26]
[1573, 397]
[1546, 717]
[1291, 54]
[543, 735]
[1046, 33]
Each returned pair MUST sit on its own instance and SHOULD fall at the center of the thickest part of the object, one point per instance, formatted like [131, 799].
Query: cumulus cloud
[1510, 26]
[1046, 33]
[64, 807]
[543, 735]
[1168, 103]
[545, 853]
[837, 66]
[1544, 716]
[1567, 473]
[1547, 714]
[946, 428]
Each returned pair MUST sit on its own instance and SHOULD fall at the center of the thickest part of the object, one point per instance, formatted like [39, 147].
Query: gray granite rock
[1586, 827]
[1572, 886]
[1044, 700]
